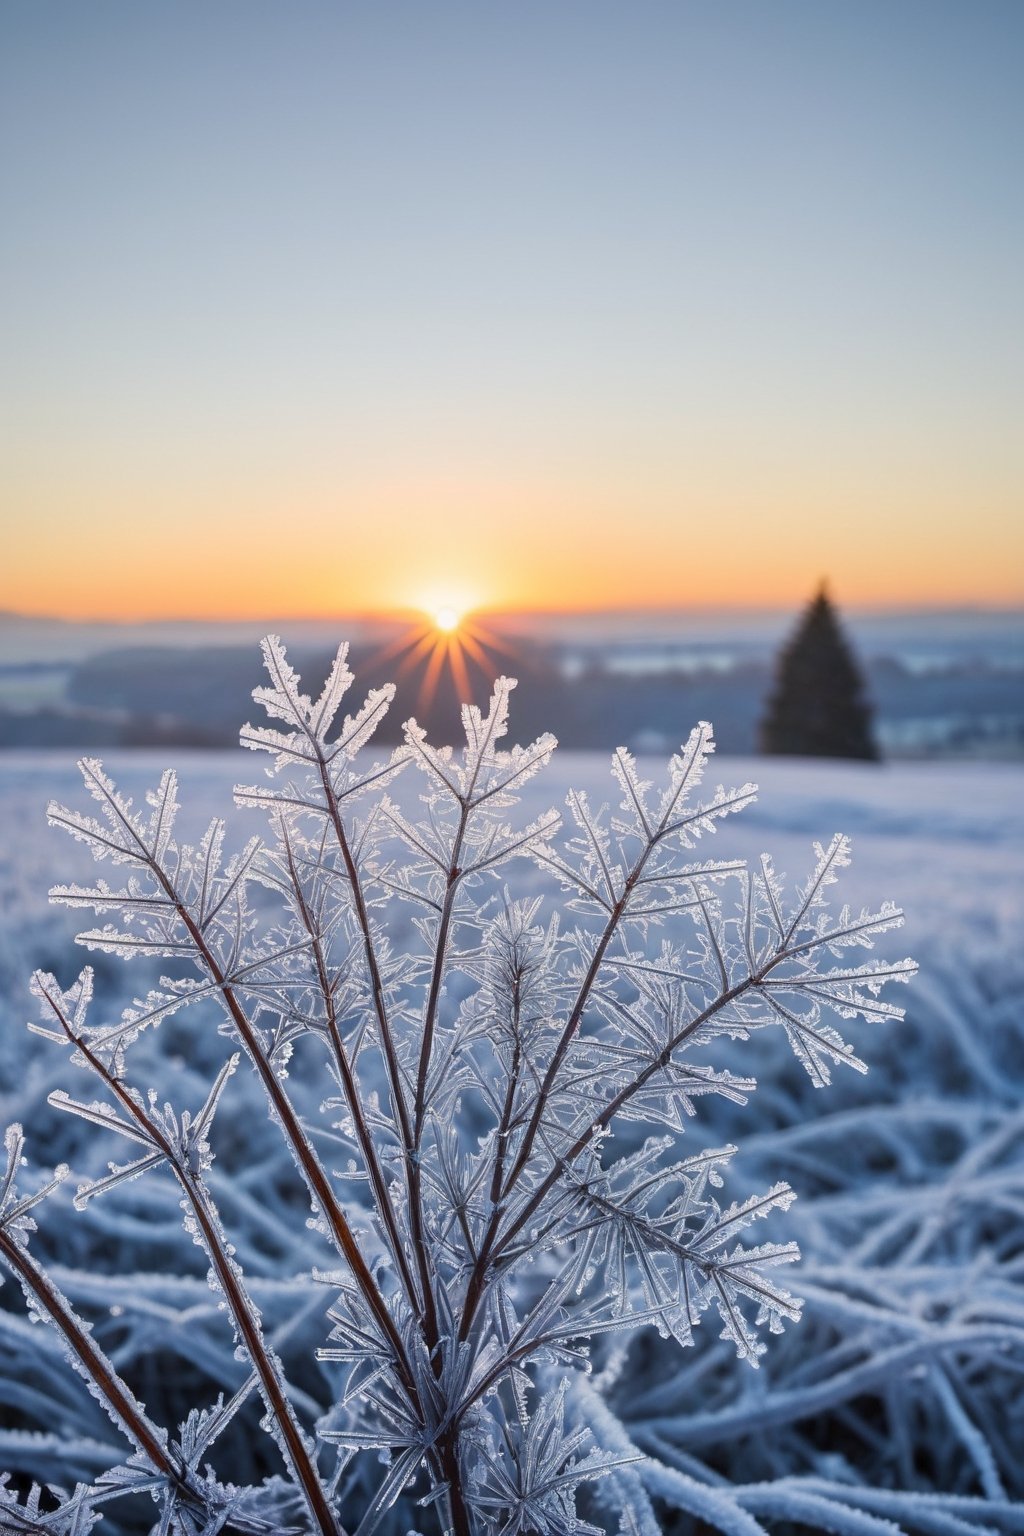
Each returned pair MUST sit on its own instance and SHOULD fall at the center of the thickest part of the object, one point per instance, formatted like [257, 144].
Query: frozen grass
[897, 1400]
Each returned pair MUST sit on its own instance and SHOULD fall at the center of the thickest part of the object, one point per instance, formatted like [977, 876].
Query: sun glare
[446, 619]
[448, 641]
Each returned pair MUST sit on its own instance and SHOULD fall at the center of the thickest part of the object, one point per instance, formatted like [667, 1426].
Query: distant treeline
[199, 696]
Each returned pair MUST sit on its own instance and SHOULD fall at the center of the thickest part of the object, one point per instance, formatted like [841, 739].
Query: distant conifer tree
[817, 706]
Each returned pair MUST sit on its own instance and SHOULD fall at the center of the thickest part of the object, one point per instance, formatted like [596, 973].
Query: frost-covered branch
[481, 1049]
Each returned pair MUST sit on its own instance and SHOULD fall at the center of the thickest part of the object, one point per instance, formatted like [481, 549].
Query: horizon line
[408, 613]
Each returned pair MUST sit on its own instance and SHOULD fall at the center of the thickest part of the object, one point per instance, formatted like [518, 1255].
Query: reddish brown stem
[611, 1109]
[429, 1308]
[122, 1402]
[350, 1087]
[242, 1308]
[308, 1161]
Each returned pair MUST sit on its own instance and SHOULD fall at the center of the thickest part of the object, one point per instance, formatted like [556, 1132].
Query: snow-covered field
[902, 1383]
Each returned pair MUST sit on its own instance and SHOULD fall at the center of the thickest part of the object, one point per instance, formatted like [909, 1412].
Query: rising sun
[447, 639]
[447, 619]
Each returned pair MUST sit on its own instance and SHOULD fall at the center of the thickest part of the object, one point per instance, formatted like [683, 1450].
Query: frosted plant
[505, 1179]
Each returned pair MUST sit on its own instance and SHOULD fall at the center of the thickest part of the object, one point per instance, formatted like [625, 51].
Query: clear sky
[314, 308]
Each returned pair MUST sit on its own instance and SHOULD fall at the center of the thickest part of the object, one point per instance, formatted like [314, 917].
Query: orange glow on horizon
[448, 552]
[61, 606]
[781, 599]
[105, 594]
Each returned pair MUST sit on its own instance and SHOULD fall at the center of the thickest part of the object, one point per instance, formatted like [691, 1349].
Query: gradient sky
[314, 308]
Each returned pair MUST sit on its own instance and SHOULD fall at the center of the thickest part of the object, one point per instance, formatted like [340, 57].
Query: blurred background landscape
[943, 683]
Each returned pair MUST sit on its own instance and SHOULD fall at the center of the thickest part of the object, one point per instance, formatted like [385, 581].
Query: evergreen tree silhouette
[817, 706]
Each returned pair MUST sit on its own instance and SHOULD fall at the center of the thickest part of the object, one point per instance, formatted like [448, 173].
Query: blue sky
[597, 303]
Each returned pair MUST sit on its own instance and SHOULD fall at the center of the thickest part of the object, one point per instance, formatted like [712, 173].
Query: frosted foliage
[507, 1172]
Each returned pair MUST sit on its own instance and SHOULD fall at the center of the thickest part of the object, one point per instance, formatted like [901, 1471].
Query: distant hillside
[646, 694]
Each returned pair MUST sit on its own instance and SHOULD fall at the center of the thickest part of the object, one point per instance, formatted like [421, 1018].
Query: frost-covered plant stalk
[504, 1180]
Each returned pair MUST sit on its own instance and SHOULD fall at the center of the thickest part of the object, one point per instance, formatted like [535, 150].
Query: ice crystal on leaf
[504, 1105]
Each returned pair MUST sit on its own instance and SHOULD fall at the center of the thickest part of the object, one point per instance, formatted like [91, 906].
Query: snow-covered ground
[905, 1376]
[943, 839]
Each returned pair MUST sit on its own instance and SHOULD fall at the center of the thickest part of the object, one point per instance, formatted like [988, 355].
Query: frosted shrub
[506, 1179]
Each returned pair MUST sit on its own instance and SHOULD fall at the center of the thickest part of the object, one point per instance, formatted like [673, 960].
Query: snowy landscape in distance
[894, 1404]
[942, 683]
